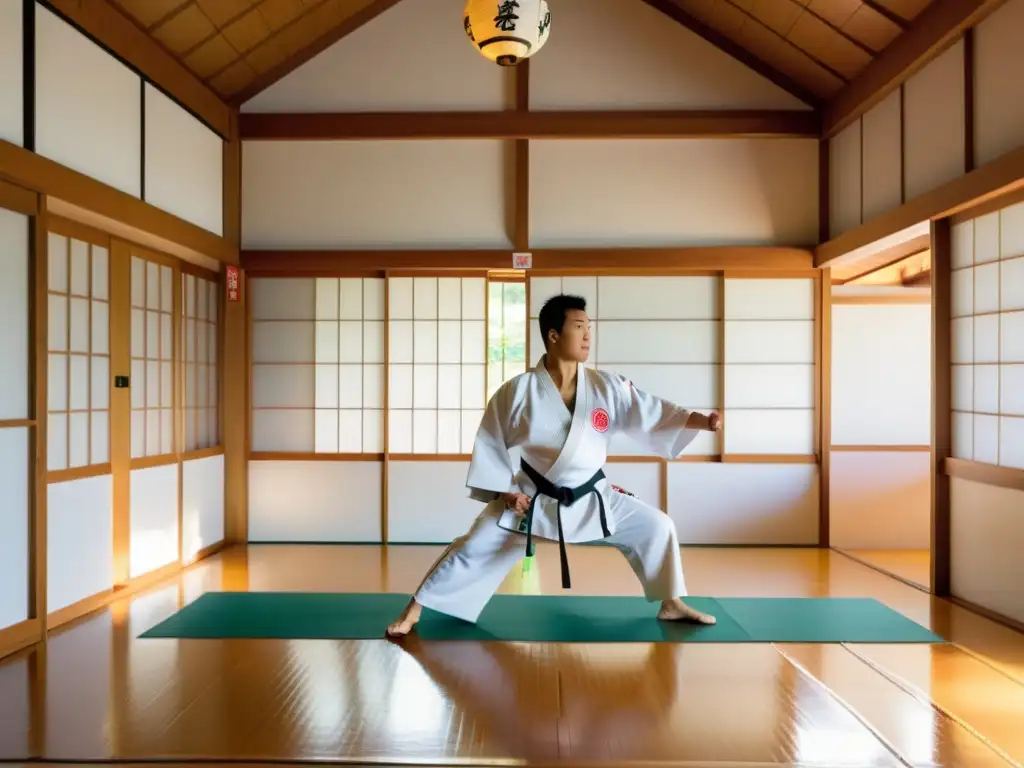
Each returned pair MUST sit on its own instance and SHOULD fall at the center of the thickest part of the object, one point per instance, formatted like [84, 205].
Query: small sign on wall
[231, 281]
[522, 260]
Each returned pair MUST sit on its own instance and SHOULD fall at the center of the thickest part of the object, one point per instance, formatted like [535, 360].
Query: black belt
[563, 495]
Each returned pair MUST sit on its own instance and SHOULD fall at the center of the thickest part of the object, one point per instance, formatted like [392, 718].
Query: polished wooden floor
[97, 693]
[913, 565]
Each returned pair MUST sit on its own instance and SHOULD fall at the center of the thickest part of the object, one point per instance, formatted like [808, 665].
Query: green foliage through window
[506, 333]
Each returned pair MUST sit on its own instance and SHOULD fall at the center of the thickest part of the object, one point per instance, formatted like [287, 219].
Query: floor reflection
[98, 692]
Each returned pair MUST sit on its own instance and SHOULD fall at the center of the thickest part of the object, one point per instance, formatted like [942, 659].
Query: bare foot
[403, 624]
[677, 610]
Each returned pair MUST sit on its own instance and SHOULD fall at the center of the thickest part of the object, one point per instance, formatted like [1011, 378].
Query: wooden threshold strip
[619, 261]
[987, 474]
[510, 124]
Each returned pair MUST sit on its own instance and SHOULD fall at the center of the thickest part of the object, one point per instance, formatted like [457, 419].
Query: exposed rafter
[322, 43]
[737, 52]
[936, 28]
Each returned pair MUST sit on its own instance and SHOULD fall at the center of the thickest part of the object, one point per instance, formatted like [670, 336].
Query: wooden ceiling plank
[325, 41]
[510, 124]
[751, 17]
[809, 9]
[934, 30]
[881, 10]
[727, 46]
[107, 23]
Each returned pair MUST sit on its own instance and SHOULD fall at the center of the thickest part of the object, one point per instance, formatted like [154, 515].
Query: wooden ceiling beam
[999, 177]
[936, 28]
[737, 52]
[102, 21]
[509, 124]
[321, 44]
[640, 260]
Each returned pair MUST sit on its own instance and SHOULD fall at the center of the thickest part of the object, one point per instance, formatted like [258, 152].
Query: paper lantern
[506, 31]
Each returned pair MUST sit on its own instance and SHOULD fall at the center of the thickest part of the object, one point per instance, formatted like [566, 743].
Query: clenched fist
[517, 502]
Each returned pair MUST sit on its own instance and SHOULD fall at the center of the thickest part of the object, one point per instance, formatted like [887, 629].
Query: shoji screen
[80, 485]
[15, 462]
[769, 366]
[155, 346]
[317, 409]
[199, 369]
[202, 469]
[437, 353]
[349, 350]
[765, 490]
[988, 410]
[436, 363]
[988, 338]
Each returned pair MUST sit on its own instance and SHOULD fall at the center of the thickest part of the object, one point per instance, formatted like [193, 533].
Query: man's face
[573, 343]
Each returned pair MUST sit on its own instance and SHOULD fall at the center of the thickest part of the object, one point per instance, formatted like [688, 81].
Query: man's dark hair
[552, 314]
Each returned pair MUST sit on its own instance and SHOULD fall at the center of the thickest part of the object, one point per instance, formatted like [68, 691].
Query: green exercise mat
[543, 619]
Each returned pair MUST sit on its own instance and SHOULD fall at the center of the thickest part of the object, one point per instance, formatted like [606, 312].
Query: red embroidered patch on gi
[599, 419]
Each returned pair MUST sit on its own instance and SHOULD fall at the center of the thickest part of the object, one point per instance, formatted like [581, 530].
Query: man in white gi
[560, 417]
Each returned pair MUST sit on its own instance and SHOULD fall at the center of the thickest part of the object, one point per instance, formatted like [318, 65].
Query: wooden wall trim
[19, 636]
[823, 445]
[987, 474]
[120, 319]
[942, 405]
[999, 177]
[892, 298]
[514, 124]
[617, 260]
[42, 175]
[18, 199]
[521, 170]
[880, 448]
[38, 386]
[937, 27]
[102, 21]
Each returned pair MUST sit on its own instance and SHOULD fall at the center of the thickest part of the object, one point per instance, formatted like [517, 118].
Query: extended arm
[660, 425]
[490, 470]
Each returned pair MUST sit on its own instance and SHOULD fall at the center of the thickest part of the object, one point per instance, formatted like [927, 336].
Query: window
[78, 397]
[437, 370]
[506, 333]
[152, 355]
[199, 369]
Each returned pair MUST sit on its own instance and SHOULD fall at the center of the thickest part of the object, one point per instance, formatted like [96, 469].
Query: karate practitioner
[560, 416]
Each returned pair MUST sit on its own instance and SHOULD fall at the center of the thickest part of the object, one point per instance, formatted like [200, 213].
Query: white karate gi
[527, 413]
